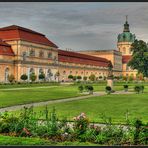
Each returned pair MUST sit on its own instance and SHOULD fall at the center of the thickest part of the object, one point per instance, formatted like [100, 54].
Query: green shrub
[79, 77]
[33, 77]
[84, 78]
[92, 77]
[137, 89]
[24, 77]
[81, 123]
[108, 89]
[70, 77]
[89, 88]
[81, 88]
[41, 76]
[142, 88]
[125, 87]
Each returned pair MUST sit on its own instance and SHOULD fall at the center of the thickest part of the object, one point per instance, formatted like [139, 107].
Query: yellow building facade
[23, 51]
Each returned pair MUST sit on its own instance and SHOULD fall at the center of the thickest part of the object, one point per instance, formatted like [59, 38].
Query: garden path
[17, 107]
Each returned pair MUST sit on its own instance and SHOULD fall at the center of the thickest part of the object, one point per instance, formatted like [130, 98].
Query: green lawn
[114, 106]
[7, 140]
[23, 96]
[12, 96]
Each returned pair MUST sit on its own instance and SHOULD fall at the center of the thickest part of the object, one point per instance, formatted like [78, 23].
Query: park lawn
[30, 95]
[8, 140]
[16, 96]
[114, 106]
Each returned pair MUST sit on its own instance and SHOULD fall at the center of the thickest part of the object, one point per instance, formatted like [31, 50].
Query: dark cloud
[79, 26]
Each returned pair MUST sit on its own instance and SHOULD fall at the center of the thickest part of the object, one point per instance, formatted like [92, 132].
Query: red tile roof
[78, 58]
[126, 58]
[5, 49]
[20, 33]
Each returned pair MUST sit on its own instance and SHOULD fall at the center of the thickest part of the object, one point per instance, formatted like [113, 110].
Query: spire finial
[126, 17]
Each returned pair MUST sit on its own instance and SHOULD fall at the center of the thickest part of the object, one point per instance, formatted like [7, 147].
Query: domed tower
[125, 40]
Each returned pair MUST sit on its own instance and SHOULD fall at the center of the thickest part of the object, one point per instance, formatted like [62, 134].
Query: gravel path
[17, 107]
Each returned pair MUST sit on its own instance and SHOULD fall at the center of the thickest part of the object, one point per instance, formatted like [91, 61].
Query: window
[124, 50]
[49, 55]
[70, 72]
[32, 53]
[41, 54]
[64, 72]
[24, 56]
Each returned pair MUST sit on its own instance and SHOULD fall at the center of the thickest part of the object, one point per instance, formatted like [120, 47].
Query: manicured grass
[12, 96]
[39, 92]
[114, 106]
[23, 96]
[7, 140]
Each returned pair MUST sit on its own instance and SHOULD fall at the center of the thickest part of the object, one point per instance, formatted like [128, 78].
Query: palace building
[24, 51]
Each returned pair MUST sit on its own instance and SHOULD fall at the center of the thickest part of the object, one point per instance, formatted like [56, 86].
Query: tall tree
[139, 59]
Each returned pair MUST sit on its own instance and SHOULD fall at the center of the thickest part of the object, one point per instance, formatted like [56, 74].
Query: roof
[126, 58]
[5, 49]
[15, 32]
[78, 58]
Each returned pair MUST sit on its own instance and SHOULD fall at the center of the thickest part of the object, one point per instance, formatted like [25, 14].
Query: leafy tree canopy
[139, 59]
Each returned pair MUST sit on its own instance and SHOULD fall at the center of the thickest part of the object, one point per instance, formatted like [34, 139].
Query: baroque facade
[23, 51]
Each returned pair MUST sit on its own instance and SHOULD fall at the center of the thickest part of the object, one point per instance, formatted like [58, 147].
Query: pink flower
[26, 131]
[82, 114]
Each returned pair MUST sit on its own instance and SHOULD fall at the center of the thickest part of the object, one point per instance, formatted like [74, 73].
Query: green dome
[126, 37]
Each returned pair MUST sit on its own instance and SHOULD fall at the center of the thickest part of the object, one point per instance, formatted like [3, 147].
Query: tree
[84, 78]
[108, 89]
[139, 59]
[79, 77]
[81, 88]
[33, 77]
[92, 77]
[11, 78]
[70, 77]
[24, 77]
[41, 76]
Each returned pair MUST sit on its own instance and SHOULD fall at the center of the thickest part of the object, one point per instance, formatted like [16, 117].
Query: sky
[78, 26]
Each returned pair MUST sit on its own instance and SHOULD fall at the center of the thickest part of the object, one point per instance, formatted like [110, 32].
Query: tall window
[49, 55]
[32, 53]
[41, 54]
[124, 50]
[24, 56]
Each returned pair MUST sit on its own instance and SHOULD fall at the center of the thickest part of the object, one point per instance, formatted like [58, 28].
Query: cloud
[79, 26]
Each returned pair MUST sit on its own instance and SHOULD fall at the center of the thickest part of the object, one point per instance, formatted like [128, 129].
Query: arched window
[64, 72]
[31, 70]
[40, 70]
[6, 74]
